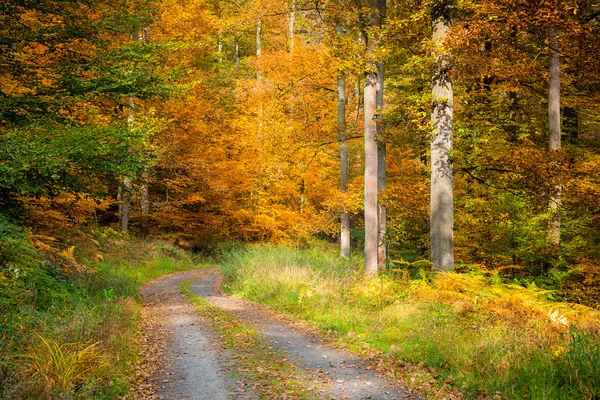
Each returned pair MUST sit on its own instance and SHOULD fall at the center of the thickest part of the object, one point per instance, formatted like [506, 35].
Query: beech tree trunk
[145, 203]
[145, 190]
[381, 170]
[220, 49]
[258, 73]
[125, 203]
[292, 25]
[259, 37]
[124, 194]
[371, 153]
[236, 44]
[371, 211]
[344, 165]
[442, 177]
[554, 127]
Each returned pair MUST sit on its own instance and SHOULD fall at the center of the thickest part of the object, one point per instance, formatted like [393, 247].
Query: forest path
[182, 358]
[193, 365]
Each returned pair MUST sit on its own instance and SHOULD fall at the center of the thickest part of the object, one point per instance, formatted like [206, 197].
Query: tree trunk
[259, 37]
[145, 203]
[258, 73]
[371, 156]
[220, 49]
[292, 25]
[554, 126]
[126, 181]
[371, 211]
[236, 45]
[145, 190]
[442, 178]
[344, 165]
[302, 195]
[381, 170]
[125, 203]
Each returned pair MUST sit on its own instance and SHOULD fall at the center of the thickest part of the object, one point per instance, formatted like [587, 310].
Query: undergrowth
[466, 332]
[69, 328]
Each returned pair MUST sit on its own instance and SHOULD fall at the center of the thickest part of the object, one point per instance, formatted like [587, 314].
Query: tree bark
[381, 170]
[125, 203]
[236, 44]
[442, 177]
[259, 37]
[292, 25]
[145, 203]
[371, 156]
[258, 73]
[371, 211]
[220, 49]
[344, 165]
[126, 181]
[554, 127]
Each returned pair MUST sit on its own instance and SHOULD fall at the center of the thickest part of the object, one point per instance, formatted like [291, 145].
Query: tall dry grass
[473, 331]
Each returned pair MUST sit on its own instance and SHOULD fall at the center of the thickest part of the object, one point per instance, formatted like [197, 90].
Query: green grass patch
[273, 376]
[465, 331]
[71, 333]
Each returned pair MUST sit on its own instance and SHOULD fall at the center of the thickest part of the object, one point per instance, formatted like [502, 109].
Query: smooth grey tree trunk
[344, 165]
[145, 202]
[442, 177]
[236, 45]
[358, 96]
[259, 37]
[145, 190]
[371, 210]
[220, 49]
[120, 198]
[381, 170]
[258, 72]
[555, 129]
[370, 137]
[124, 194]
[125, 203]
[292, 25]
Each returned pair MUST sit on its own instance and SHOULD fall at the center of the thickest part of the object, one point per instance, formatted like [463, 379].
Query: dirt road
[184, 360]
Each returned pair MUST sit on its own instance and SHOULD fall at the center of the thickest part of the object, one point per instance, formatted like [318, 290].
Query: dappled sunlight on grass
[477, 334]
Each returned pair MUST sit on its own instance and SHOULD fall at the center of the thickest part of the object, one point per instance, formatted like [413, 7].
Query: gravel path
[186, 361]
[194, 367]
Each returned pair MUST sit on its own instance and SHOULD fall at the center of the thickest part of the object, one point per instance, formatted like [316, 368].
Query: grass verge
[462, 333]
[69, 330]
[273, 376]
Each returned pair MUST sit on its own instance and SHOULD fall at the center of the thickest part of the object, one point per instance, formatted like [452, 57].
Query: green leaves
[42, 161]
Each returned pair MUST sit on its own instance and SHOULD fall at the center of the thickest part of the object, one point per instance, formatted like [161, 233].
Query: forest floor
[194, 352]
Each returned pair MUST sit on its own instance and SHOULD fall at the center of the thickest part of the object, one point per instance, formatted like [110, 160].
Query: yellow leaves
[69, 253]
[195, 198]
[558, 350]
[379, 290]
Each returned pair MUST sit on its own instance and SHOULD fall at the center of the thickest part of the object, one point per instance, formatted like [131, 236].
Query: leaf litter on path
[183, 358]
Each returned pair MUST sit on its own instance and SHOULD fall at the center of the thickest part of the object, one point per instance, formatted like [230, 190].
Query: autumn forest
[435, 160]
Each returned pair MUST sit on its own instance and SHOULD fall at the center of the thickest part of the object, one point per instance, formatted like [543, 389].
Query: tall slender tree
[555, 128]
[292, 25]
[442, 178]
[381, 159]
[370, 138]
[344, 167]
